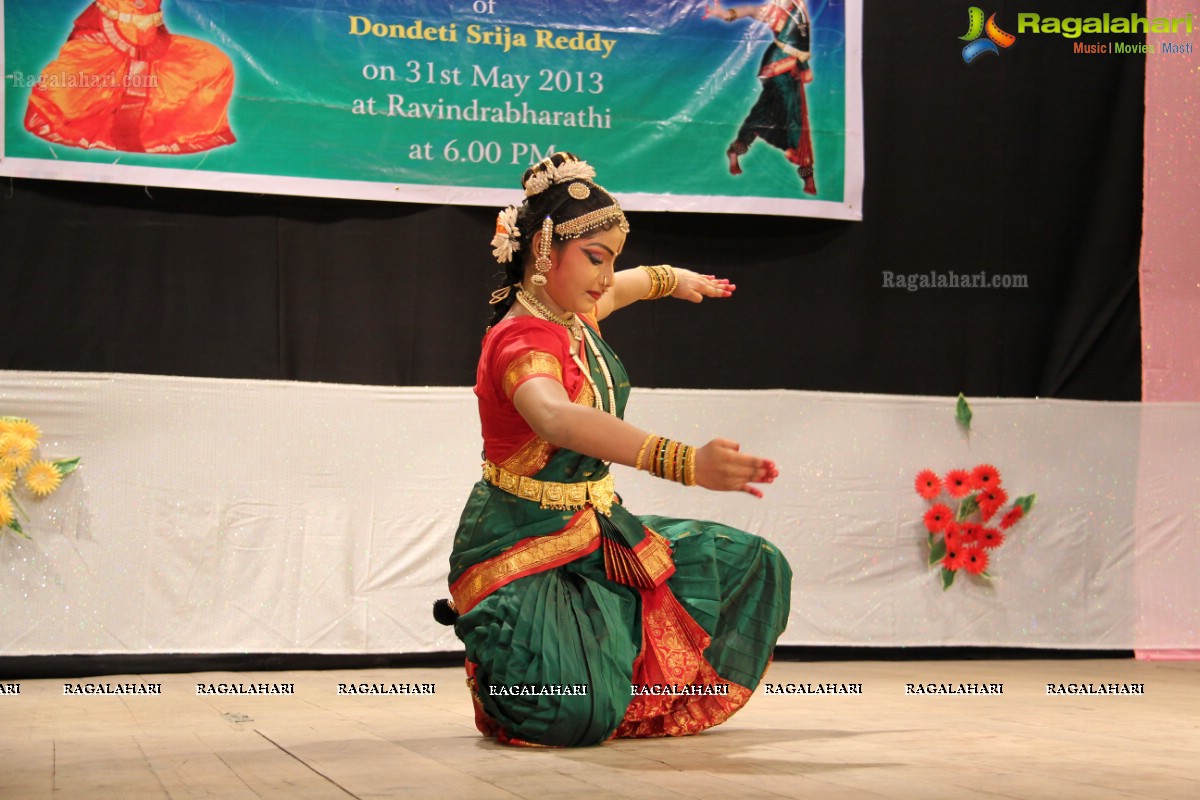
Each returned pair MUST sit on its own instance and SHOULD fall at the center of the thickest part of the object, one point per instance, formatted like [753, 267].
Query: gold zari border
[525, 558]
[656, 555]
[535, 362]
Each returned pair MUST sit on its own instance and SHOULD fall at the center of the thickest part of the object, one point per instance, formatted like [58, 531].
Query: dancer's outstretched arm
[544, 404]
[631, 285]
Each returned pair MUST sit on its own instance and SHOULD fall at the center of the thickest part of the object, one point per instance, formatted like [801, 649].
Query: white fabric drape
[254, 516]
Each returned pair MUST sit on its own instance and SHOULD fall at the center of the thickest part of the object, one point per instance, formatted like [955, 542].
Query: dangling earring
[541, 265]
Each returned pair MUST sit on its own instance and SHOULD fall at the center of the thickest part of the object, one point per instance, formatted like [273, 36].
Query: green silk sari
[556, 648]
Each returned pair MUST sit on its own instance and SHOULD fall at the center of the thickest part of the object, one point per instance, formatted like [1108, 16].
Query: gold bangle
[730, 14]
[663, 281]
[655, 284]
[671, 279]
[656, 462]
[637, 464]
[669, 459]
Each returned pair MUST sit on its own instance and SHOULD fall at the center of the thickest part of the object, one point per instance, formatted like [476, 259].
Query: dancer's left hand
[695, 287]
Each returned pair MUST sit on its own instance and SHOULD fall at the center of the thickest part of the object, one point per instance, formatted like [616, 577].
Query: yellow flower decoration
[23, 427]
[18, 444]
[42, 478]
[7, 512]
[15, 450]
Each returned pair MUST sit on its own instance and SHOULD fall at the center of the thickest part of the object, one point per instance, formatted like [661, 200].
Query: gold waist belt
[599, 494]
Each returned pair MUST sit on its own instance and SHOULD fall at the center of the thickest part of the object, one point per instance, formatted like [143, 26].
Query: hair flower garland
[575, 171]
[18, 441]
[540, 181]
[549, 174]
[508, 236]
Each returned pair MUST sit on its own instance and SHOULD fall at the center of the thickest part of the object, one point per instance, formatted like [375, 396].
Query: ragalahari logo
[995, 40]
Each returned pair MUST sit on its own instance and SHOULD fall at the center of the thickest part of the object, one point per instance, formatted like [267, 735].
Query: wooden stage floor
[882, 743]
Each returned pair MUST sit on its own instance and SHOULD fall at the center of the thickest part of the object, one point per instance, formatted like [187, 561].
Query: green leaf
[66, 466]
[937, 551]
[966, 508]
[962, 412]
[16, 526]
[947, 578]
[1026, 502]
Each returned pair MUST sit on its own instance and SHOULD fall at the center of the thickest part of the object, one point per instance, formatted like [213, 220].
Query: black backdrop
[1028, 163]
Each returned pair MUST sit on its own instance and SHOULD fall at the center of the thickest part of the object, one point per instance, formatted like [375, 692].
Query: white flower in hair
[538, 183]
[575, 170]
[506, 241]
[562, 173]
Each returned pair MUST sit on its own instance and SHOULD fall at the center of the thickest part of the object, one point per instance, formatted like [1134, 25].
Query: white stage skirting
[231, 516]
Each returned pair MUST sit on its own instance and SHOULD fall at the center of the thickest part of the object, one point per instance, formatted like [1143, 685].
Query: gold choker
[542, 311]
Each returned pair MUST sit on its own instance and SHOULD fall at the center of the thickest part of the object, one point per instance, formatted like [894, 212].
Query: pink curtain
[1170, 298]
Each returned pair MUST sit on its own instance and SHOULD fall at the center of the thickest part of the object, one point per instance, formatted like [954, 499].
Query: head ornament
[578, 175]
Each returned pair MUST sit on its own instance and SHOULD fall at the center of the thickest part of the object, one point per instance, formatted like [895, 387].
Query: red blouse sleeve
[524, 348]
[514, 351]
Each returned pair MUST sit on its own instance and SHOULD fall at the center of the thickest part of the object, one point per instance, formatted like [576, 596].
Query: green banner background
[652, 93]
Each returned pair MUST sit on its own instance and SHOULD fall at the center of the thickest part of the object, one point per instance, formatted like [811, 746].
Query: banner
[683, 106]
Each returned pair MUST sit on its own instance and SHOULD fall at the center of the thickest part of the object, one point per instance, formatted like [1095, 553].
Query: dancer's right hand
[720, 465]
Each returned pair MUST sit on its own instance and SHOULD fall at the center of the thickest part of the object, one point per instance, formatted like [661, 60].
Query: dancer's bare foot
[734, 167]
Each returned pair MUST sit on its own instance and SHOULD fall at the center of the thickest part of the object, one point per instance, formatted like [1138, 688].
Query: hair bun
[555, 169]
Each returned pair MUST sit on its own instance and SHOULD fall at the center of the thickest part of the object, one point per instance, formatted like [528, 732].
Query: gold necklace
[541, 311]
[580, 332]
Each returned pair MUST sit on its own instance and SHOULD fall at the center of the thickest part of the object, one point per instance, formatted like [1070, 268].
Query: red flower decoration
[937, 517]
[966, 520]
[985, 476]
[990, 501]
[969, 532]
[996, 496]
[929, 485]
[958, 482]
[975, 559]
[991, 538]
[1012, 517]
[954, 559]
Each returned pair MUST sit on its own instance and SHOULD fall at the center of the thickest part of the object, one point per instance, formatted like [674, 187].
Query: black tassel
[444, 613]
